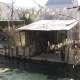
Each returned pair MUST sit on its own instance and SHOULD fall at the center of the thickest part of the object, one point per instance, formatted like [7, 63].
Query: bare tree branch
[60, 14]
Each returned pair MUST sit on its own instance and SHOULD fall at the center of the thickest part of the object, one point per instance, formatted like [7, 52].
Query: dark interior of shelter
[46, 40]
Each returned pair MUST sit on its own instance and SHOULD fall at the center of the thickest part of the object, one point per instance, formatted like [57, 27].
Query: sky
[26, 3]
[78, 2]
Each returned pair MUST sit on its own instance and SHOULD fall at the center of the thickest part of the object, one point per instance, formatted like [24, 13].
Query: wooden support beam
[8, 51]
[17, 54]
[23, 52]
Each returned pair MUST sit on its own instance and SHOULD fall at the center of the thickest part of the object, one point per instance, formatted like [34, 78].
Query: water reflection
[54, 71]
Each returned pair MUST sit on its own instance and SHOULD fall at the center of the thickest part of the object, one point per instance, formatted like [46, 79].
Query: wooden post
[5, 50]
[23, 52]
[17, 55]
[8, 51]
[68, 35]
[12, 52]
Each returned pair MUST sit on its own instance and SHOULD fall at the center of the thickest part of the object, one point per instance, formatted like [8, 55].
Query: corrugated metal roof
[50, 25]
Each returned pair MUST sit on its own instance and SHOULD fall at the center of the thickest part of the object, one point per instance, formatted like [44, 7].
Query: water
[36, 70]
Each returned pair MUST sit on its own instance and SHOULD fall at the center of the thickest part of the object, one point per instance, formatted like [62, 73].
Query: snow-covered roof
[50, 25]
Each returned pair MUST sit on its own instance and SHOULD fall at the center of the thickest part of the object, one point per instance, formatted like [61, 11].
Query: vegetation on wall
[8, 30]
[12, 35]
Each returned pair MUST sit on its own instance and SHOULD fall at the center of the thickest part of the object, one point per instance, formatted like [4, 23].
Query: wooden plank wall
[13, 51]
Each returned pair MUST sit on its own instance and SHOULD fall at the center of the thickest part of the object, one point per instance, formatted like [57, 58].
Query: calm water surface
[38, 70]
